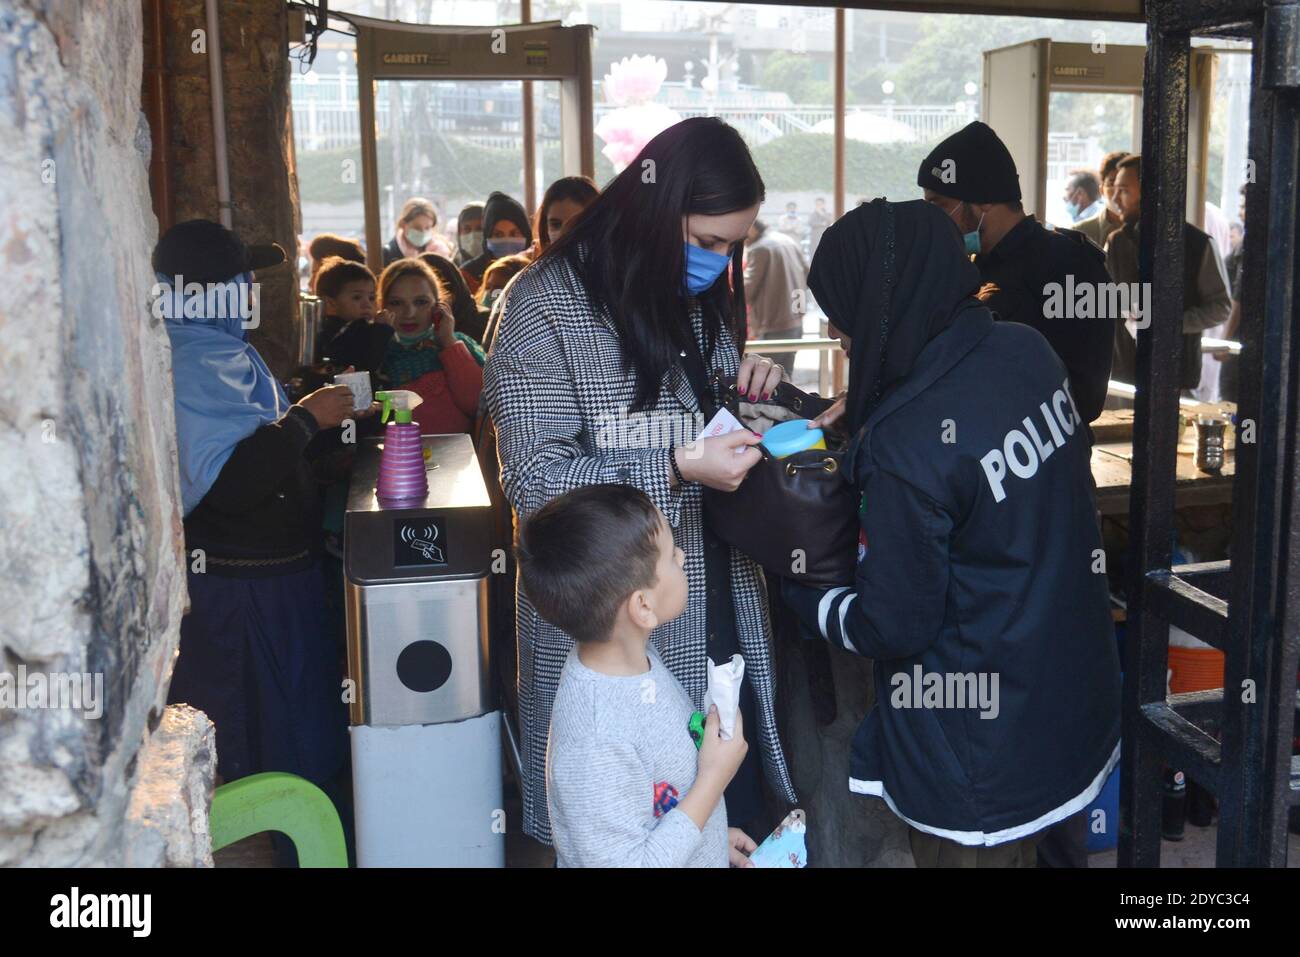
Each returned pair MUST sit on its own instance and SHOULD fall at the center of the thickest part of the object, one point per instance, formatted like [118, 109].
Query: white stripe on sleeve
[824, 607]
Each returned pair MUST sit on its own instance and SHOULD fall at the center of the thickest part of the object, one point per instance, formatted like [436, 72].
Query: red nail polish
[766, 395]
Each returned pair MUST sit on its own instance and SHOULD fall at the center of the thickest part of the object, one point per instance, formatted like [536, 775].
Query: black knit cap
[972, 165]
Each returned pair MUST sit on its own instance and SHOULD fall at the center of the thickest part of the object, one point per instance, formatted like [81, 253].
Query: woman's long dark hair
[462, 304]
[576, 189]
[628, 250]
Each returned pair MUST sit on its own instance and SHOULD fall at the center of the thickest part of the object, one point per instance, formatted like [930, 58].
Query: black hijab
[499, 206]
[891, 276]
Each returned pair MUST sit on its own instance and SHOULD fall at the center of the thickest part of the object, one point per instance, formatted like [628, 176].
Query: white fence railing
[326, 116]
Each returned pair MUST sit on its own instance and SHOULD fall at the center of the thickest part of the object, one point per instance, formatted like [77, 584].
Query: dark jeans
[258, 657]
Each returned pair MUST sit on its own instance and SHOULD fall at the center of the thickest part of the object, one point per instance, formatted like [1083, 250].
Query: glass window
[1082, 129]
[327, 143]
[912, 79]
[450, 141]
[441, 12]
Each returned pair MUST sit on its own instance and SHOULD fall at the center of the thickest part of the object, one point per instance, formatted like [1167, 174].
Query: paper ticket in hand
[359, 383]
[722, 424]
[724, 693]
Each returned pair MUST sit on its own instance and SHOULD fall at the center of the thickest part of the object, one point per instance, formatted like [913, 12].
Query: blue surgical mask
[506, 247]
[1072, 210]
[971, 240]
[703, 267]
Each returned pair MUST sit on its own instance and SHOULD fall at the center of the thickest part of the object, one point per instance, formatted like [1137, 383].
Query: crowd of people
[967, 447]
[1106, 206]
[975, 550]
[264, 480]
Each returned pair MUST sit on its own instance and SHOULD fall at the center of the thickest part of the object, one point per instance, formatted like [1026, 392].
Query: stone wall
[263, 183]
[91, 573]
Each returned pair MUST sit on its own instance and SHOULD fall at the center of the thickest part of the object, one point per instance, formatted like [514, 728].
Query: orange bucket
[1194, 669]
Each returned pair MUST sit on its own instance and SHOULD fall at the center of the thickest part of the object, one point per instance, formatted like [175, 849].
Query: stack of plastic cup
[401, 465]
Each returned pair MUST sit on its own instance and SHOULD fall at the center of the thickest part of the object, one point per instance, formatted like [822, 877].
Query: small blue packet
[785, 846]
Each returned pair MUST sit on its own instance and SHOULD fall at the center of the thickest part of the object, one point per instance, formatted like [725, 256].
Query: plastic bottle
[1173, 816]
[401, 466]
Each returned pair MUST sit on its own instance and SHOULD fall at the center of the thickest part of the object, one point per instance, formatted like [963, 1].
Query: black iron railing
[1235, 741]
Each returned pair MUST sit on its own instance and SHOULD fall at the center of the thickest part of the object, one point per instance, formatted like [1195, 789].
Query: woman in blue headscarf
[255, 654]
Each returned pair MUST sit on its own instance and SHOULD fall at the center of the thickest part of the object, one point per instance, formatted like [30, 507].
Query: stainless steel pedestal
[426, 741]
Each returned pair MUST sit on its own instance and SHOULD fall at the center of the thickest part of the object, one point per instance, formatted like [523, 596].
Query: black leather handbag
[796, 516]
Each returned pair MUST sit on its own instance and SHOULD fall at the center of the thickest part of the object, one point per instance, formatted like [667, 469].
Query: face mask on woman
[419, 238]
[472, 243]
[703, 268]
[506, 247]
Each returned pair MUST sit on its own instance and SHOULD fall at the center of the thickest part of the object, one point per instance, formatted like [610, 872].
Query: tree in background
[950, 52]
[797, 76]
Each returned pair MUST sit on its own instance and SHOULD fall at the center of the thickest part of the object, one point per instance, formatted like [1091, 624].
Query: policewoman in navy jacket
[996, 679]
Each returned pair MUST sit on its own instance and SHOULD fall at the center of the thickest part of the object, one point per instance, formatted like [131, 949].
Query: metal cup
[1209, 444]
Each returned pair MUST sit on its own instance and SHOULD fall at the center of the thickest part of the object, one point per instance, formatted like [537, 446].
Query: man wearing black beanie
[1031, 274]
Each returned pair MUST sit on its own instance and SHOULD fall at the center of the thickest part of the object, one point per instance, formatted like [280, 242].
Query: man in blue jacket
[979, 590]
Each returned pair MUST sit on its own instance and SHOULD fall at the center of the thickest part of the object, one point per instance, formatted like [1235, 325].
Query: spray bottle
[401, 466]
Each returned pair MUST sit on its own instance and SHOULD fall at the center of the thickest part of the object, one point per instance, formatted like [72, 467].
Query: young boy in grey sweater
[625, 785]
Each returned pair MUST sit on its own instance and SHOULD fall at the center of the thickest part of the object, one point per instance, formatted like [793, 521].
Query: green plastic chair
[275, 801]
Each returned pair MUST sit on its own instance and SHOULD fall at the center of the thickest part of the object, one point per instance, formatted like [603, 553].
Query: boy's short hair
[336, 272]
[330, 244]
[501, 271]
[582, 554]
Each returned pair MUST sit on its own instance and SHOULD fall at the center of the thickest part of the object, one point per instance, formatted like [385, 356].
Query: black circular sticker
[424, 666]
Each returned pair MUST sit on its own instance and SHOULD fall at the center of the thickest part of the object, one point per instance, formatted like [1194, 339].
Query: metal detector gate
[1248, 608]
[1018, 109]
[529, 51]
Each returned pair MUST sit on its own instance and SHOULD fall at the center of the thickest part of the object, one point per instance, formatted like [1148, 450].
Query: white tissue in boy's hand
[724, 693]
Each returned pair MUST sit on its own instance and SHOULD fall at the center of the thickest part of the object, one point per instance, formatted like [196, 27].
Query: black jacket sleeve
[896, 606]
[262, 462]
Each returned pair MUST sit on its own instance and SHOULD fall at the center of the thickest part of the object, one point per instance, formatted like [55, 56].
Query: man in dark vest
[1206, 301]
[1050, 279]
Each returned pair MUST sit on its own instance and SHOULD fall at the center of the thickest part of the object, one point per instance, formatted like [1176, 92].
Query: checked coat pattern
[554, 379]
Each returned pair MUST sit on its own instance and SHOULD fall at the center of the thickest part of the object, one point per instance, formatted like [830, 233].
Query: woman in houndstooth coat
[599, 373]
